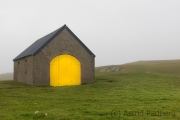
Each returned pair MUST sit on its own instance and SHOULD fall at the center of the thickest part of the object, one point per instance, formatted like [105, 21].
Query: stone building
[57, 59]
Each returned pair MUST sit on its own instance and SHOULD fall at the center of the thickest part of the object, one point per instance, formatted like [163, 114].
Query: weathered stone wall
[64, 43]
[23, 70]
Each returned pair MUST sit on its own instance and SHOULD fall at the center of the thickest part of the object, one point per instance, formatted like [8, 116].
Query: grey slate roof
[39, 44]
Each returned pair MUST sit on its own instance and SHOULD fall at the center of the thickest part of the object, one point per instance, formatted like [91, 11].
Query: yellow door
[65, 70]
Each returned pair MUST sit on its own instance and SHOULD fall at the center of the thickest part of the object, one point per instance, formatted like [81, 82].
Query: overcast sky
[116, 31]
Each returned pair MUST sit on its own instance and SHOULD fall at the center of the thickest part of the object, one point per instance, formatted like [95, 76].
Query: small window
[25, 66]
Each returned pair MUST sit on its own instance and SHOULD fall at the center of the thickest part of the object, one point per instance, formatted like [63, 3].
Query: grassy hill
[121, 92]
[165, 67]
[6, 76]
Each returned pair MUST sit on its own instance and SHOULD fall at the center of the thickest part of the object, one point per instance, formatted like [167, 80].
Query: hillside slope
[165, 67]
[6, 76]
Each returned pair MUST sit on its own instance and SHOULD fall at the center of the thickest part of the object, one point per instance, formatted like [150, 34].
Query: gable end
[39, 44]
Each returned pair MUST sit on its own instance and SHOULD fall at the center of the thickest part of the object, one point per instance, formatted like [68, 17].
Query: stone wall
[64, 43]
[23, 70]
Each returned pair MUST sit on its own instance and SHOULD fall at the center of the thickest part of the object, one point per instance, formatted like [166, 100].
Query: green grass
[114, 96]
[165, 67]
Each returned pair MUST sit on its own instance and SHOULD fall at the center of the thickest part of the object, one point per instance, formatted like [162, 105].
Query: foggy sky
[116, 31]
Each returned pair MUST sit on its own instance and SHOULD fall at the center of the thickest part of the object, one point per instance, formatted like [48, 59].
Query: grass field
[163, 67]
[136, 95]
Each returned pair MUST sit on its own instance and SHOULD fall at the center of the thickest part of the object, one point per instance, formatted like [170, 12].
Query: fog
[116, 31]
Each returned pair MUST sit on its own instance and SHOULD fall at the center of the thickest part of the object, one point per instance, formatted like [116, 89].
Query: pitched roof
[39, 44]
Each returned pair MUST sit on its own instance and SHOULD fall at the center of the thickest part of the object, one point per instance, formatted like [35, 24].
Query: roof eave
[21, 57]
